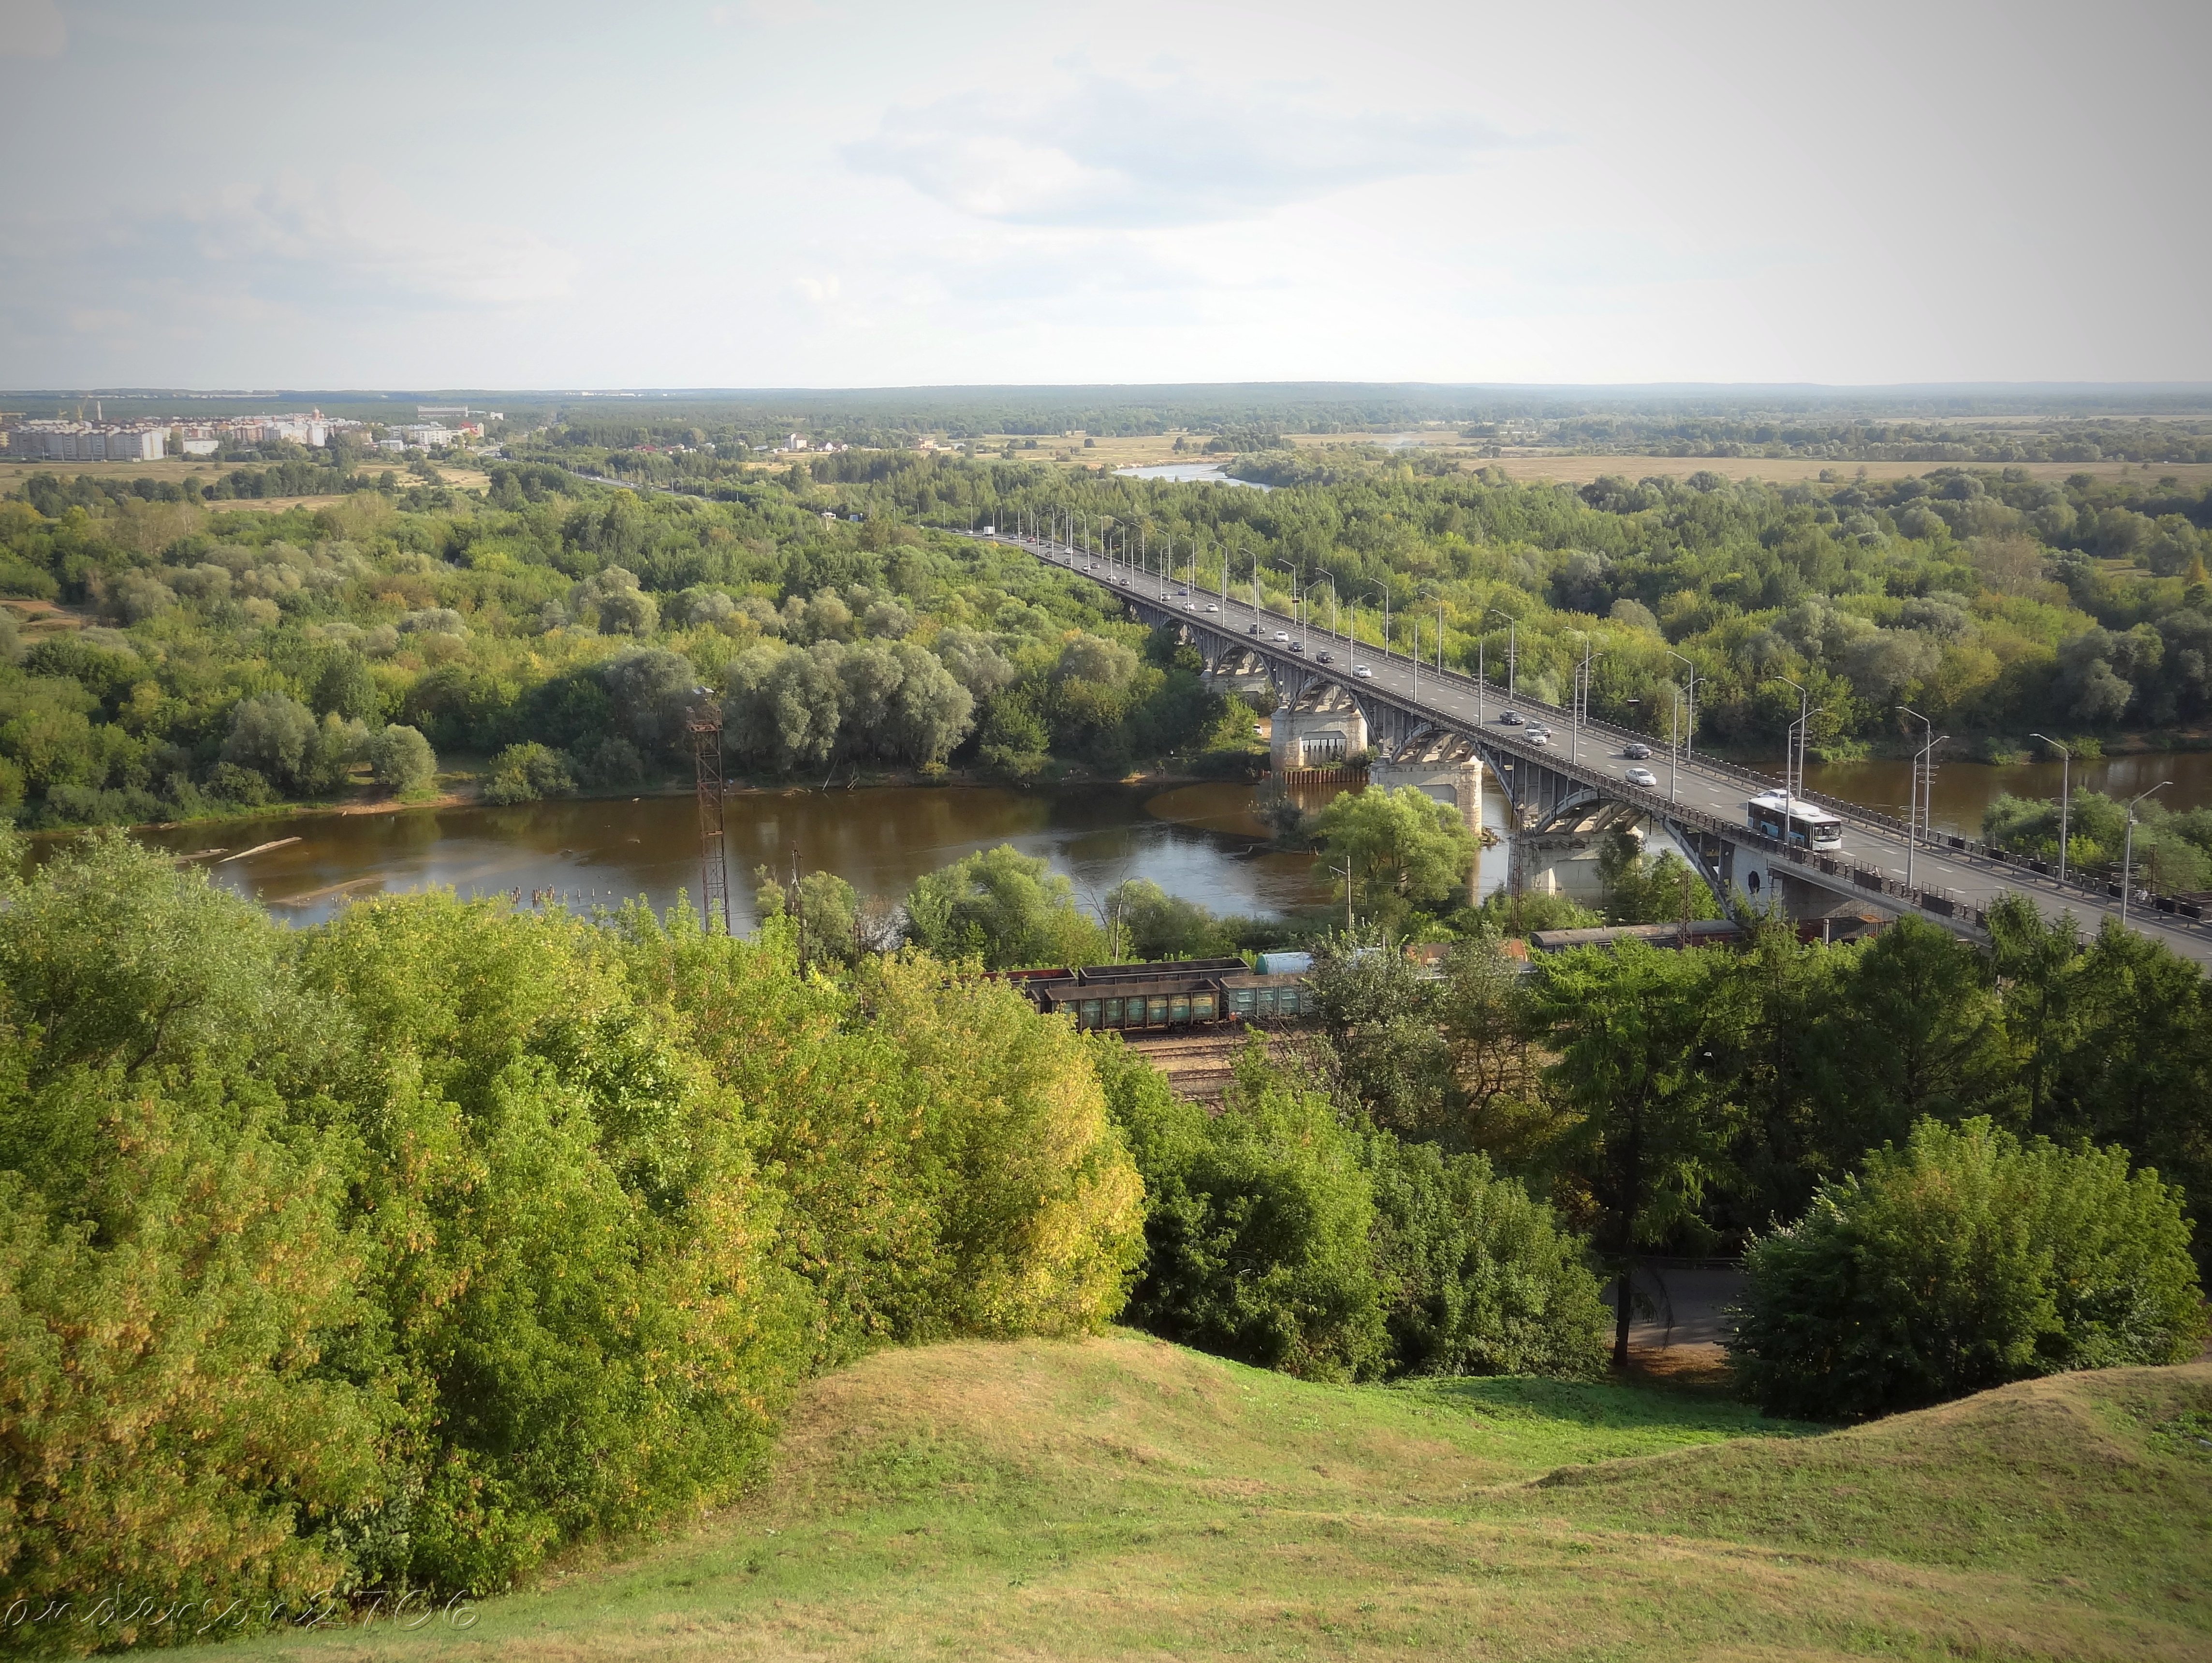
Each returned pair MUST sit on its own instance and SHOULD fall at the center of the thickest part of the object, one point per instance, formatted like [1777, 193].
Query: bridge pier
[1445, 766]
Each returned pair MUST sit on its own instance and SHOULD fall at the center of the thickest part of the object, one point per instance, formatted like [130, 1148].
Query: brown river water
[1201, 842]
[1196, 841]
[1964, 790]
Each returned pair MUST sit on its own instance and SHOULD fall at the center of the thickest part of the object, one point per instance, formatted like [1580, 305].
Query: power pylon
[705, 725]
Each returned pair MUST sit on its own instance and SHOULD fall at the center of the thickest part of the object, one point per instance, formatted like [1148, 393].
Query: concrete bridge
[1440, 731]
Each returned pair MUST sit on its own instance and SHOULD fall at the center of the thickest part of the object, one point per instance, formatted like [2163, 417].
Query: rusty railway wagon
[1177, 994]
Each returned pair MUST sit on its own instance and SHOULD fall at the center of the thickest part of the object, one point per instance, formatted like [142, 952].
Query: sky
[847, 193]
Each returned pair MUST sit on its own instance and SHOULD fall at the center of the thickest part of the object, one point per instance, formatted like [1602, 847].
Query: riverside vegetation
[415, 1249]
[424, 1248]
[561, 629]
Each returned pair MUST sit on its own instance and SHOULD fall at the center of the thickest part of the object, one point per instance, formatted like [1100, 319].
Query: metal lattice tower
[705, 727]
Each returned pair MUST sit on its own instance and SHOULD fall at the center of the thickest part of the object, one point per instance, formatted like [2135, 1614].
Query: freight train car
[1177, 994]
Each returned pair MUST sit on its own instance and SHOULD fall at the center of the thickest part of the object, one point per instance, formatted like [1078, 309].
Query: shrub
[420, 1244]
[1960, 1261]
[578, 1258]
[528, 773]
[400, 757]
[1480, 1278]
[946, 1152]
[1259, 1221]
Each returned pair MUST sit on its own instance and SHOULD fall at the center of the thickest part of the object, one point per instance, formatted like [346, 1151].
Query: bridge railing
[1941, 901]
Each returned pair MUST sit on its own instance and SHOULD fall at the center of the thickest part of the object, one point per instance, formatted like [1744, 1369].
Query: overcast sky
[839, 192]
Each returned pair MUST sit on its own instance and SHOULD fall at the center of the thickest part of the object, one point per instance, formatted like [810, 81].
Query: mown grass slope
[1124, 1498]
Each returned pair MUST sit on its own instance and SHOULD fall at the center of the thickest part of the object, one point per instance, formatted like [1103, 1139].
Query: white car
[1361, 670]
[1211, 607]
[1282, 635]
[1642, 776]
[1537, 736]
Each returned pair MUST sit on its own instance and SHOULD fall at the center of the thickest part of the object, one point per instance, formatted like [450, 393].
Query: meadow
[1122, 1497]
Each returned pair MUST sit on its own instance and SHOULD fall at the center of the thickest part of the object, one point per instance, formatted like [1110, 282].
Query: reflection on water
[1964, 790]
[1196, 841]
[1201, 841]
[1188, 473]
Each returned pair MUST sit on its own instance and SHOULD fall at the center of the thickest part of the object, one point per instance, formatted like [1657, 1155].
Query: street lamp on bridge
[1690, 692]
[2128, 858]
[1512, 652]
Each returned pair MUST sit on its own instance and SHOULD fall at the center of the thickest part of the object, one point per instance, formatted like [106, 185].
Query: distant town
[152, 438]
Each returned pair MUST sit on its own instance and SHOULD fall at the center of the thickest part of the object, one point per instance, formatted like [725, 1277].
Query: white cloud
[1099, 150]
[356, 235]
[32, 28]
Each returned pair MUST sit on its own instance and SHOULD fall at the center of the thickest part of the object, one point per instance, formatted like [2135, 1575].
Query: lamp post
[2128, 857]
[1327, 578]
[1674, 745]
[2065, 794]
[1578, 705]
[1912, 813]
[1690, 691]
[1924, 758]
[1384, 598]
[1804, 700]
[1512, 652]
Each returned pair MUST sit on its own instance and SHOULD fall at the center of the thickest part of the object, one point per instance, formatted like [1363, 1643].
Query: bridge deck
[1953, 886]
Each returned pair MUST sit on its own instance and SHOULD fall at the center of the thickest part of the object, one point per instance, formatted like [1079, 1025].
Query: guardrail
[1939, 900]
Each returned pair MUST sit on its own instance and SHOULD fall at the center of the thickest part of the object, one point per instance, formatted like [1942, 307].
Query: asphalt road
[1593, 753]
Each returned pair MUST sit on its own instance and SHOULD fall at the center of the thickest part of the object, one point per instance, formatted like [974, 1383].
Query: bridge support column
[1456, 782]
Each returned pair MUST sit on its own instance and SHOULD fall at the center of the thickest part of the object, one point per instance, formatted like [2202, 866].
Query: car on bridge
[1298, 646]
[1326, 656]
[1637, 751]
[1537, 736]
[1642, 776]
[1509, 718]
[1252, 629]
[1282, 635]
[1361, 670]
[1211, 607]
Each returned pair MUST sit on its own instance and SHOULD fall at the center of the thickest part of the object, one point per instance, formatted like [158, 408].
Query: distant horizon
[562, 390]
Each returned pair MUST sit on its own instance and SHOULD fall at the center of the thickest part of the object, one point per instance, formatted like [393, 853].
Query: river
[1190, 473]
[1199, 842]
[1964, 790]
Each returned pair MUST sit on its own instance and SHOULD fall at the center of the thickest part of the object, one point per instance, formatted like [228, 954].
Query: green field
[1126, 1498]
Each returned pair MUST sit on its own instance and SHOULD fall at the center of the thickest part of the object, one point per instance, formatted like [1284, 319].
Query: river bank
[1196, 840]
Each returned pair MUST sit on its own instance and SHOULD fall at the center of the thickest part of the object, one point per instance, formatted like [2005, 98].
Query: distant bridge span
[1698, 801]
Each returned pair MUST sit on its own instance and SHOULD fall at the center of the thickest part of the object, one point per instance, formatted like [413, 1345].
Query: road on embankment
[1591, 750]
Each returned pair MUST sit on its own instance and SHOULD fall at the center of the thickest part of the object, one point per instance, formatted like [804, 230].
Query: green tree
[274, 735]
[1404, 848]
[1259, 1223]
[528, 773]
[1379, 1017]
[1004, 907]
[1480, 1278]
[400, 757]
[1915, 1031]
[1650, 889]
[1150, 923]
[1959, 1261]
[1633, 1030]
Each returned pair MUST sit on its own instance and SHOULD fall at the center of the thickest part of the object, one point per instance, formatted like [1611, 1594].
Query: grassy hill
[1124, 1498]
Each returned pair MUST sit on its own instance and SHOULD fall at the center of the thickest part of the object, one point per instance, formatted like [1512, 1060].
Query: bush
[528, 773]
[404, 1250]
[1960, 1261]
[1279, 1235]
[1257, 1232]
[1481, 1279]
[400, 757]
